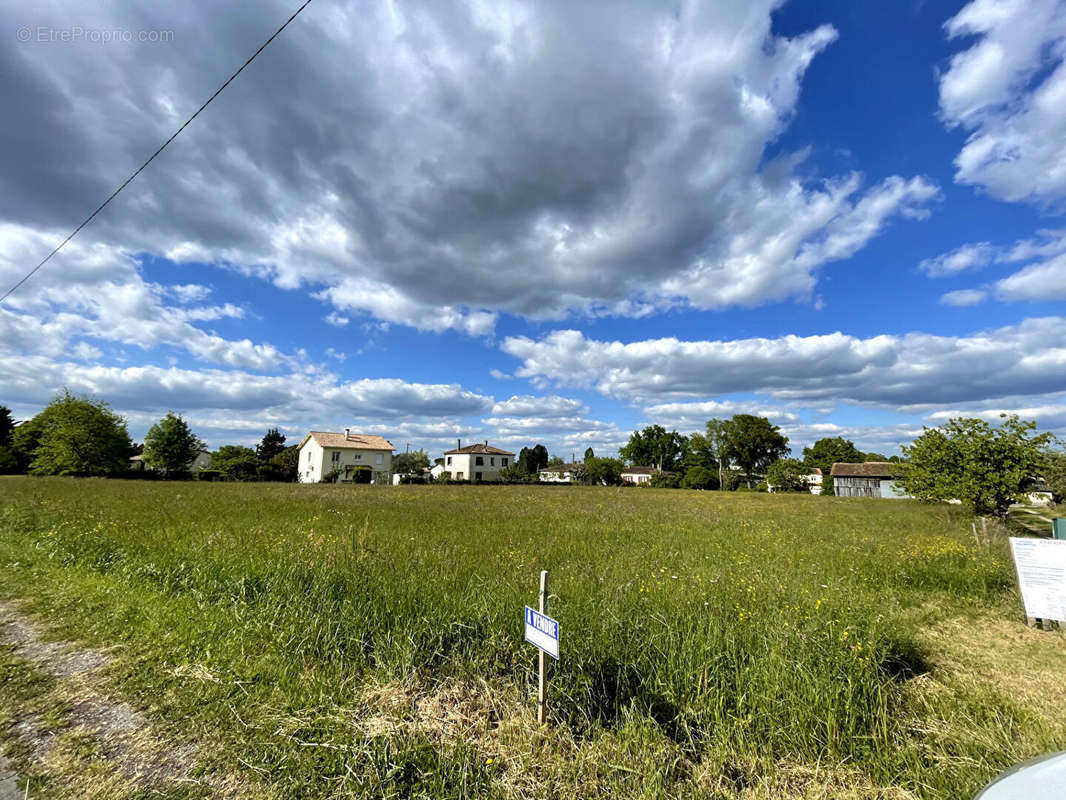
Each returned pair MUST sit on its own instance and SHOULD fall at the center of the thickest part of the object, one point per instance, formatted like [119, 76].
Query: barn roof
[870, 469]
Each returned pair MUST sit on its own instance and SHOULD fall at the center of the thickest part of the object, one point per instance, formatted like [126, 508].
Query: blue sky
[548, 222]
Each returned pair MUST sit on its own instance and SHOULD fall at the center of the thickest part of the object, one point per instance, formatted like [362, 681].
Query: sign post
[543, 633]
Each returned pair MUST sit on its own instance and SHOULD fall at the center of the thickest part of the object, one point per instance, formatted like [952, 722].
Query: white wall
[466, 463]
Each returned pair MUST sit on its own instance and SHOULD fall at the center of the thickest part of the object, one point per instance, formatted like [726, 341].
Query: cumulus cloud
[964, 298]
[1049, 417]
[911, 369]
[436, 165]
[527, 405]
[1008, 89]
[969, 256]
[693, 416]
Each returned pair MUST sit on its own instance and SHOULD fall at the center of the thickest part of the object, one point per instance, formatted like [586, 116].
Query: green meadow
[358, 641]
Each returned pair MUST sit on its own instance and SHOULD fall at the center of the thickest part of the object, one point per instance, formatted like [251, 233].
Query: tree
[826, 452]
[654, 446]
[531, 459]
[286, 464]
[410, 463]
[715, 439]
[588, 454]
[788, 475]
[600, 472]
[170, 446]
[985, 467]
[235, 462]
[270, 446]
[8, 461]
[75, 436]
[555, 461]
[753, 444]
[1054, 472]
[699, 478]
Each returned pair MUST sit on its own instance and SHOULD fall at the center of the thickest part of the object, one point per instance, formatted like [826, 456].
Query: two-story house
[476, 462]
[345, 456]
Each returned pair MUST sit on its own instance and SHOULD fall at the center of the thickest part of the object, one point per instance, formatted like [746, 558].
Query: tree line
[987, 467]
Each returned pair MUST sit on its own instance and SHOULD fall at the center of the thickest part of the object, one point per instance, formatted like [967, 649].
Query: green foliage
[589, 454]
[285, 466]
[270, 446]
[985, 467]
[170, 446]
[699, 478]
[654, 447]
[8, 460]
[75, 436]
[788, 475]
[1054, 473]
[665, 480]
[531, 459]
[826, 452]
[555, 461]
[600, 472]
[753, 444]
[410, 463]
[236, 462]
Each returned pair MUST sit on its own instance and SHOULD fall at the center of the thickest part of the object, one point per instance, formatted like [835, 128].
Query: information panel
[1041, 565]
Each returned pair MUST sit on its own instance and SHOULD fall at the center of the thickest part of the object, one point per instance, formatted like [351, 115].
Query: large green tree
[235, 462]
[788, 475]
[170, 445]
[753, 444]
[410, 463]
[286, 464]
[531, 459]
[655, 447]
[270, 446]
[1054, 472]
[987, 467]
[75, 436]
[600, 472]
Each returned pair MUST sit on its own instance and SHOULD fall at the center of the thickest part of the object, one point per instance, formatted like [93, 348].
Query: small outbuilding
[870, 479]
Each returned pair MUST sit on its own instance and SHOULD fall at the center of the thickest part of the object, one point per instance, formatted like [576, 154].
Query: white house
[342, 454]
[476, 462]
[641, 476]
[560, 473]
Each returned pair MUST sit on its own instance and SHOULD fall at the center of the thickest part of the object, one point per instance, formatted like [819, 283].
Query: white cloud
[337, 320]
[891, 371]
[1037, 282]
[534, 406]
[969, 256]
[1049, 417]
[607, 159]
[964, 298]
[694, 416]
[1008, 89]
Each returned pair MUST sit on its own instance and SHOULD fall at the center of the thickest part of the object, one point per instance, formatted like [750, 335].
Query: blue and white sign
[542, 631]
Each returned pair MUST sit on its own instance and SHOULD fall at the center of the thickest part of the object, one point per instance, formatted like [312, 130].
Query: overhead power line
[151, 158]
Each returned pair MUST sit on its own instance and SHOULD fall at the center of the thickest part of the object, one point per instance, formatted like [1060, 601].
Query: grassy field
[285, 641]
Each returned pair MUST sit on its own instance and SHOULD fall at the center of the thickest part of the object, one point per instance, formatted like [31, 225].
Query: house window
[503, 461]
[477, 476]
[449, 461]
[479, 461]
[357, 457]
[492, 462]
[381, 458]
[308, 456]
[458, 476]
[336, 457]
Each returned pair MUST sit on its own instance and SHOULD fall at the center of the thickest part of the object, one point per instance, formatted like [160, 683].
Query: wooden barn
[871, 479]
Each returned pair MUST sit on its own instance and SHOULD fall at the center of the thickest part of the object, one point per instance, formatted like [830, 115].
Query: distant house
[560, 473]
[202, 461]
[641, 476]
[344, 455]
[814, 480]
[872, 479]
[476, 462]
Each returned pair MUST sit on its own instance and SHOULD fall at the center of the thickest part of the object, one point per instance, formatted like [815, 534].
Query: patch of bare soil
[110, 731]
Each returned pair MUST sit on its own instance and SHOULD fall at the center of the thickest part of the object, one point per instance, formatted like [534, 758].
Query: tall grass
[737, 632]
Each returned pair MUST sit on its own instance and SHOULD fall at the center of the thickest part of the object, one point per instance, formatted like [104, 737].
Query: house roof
[871, 469]
[480, 449]
[561, 468]
[353, 441]
[640, 471]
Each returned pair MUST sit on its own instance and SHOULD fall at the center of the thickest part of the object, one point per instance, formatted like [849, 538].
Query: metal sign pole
[542, 657]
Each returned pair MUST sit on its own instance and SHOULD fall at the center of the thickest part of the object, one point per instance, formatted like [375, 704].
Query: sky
[550, 222]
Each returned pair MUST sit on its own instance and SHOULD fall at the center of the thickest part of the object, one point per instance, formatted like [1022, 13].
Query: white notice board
[1041, 565]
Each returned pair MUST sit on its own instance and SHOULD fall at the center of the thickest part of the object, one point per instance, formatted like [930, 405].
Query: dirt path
[111, 729]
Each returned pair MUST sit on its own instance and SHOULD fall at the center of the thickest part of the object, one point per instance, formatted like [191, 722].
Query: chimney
[347, 432]
[458, 444]
[486, 444]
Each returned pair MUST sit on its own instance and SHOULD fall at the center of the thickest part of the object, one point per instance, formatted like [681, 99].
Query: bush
[699, 478]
